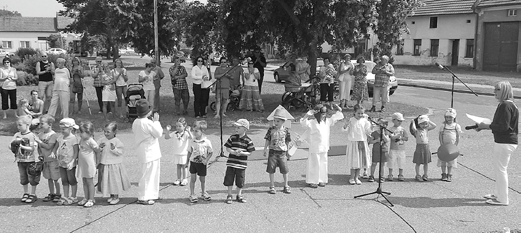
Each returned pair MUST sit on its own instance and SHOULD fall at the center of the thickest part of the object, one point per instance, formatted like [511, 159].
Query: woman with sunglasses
[8, 79]
[200, 76]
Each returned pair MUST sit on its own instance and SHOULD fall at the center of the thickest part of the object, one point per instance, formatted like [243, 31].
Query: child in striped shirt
[240, 147]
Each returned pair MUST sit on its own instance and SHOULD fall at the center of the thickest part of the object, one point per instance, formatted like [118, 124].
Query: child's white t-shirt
[181, 142]
[65, 152]
[358, 129]
[200, 150]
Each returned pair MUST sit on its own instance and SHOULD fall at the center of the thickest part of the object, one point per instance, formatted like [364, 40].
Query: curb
[518, 96]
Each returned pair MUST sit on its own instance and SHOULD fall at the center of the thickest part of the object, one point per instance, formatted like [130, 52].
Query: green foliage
[8, 13]
[200, 28]
[391, 22]
[22, 52]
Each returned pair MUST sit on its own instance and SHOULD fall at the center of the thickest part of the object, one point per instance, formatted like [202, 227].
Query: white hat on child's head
[423, 118]
[451, 112]
[69, 123]
[242, 123]
[398, 116]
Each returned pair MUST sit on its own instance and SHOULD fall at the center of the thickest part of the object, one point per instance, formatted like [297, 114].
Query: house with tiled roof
[440, 31]
[31, 32]
[498, 28]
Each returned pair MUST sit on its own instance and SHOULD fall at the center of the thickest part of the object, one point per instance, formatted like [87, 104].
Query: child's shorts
[277, 158]
[396, 159]
[234, 174]
[452, 164]
[198, 168]
[51, 170]
[25, 178]
[68, 176]
[180, 159]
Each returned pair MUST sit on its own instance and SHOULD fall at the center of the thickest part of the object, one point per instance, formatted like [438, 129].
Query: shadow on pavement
[427, 202]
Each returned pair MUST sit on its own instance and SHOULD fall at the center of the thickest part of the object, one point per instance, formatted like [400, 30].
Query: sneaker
[193, 199]
[184, 182]
[401, 178]
[229, 199]
[31, 199]
[57, 198]
[418, 178]
[73, 200]
[272, 190]
[110, 199]
[114, 201]
[240, 199]
[177, 182]
[443, 176]
[490, 196]
[89, 204]
[64, 201]
[365, 176]
[352, 181]
[449, 177]
[495, 202]
[382, 180]
[390, 178]
[358, 182]
[48, 198]
[371, 179]
[313, 186]
[82, 202]
[205, 196]
[425, 177]
[287, 190]
[148, 202]
[24, 197]
[322, 184]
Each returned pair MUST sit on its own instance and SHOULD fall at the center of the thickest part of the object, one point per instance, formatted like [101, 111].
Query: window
[435, 45]
[468, 21]
[24, 44]
[417, 46]
[7, 45]
[399, 47]
[433, 22]
[511, 12]
[469, 52]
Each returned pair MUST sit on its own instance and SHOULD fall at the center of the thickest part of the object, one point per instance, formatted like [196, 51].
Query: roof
[27, 24]
[63, 22]
[445, 7]
[489, 3]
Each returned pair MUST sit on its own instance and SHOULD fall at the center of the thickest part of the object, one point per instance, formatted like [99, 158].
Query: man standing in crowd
[178, 77]
[259, 62]
[97, 72]
[157, 82]
[45, 70]
[382, 74]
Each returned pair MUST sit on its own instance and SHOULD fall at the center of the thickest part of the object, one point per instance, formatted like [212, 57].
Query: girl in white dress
[358, 130]
[346, 80]
[109, 92]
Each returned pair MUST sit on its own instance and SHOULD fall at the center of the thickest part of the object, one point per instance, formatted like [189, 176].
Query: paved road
[419, 207]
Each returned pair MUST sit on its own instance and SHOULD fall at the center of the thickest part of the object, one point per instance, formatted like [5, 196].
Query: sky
[32, 8]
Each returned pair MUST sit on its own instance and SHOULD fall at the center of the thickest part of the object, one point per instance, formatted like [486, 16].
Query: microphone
[471, 127]
[439, 66]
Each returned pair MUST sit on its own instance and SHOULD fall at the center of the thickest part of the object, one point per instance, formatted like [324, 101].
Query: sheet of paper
[479, 119]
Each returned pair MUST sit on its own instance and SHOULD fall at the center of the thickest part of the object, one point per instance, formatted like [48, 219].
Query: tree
[200, 28]
[8, 13]
[391, 23]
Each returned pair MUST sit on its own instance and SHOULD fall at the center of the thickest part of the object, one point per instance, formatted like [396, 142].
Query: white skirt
[180, 159]
[108, 96]
[358, 157]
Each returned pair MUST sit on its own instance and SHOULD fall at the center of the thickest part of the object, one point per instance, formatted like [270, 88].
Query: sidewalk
[458, 86]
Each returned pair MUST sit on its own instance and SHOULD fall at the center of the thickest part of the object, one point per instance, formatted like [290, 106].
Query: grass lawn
[271, 96]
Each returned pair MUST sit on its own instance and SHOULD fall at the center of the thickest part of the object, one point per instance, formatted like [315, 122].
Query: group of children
[388, 145]
[66, 156]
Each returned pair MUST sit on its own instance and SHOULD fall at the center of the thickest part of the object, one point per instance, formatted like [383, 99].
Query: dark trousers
[260, 80]
[201, 97]
[181, 94]
[8, 103]
[326, 90]
[99, 95]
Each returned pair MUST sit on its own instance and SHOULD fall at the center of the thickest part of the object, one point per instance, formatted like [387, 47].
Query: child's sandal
[88, 204]
[272, 190]
[24, 197]
[31, 199]
[287, 190]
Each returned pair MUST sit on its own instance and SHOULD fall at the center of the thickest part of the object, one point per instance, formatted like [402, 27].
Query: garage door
[500, 51]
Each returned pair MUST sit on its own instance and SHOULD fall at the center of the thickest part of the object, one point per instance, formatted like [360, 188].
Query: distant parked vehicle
[4, 53]
[56, 51]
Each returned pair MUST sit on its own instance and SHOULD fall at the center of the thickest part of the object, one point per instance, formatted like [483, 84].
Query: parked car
[281, 74]
[102, 52]
[56, 51]
[4, 53]
[126, 51]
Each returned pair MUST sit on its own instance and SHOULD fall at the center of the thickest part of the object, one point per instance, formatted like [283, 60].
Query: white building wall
[32, 37]
[450, 27]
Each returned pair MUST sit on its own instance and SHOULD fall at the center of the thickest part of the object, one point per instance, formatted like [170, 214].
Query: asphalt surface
[433, 206]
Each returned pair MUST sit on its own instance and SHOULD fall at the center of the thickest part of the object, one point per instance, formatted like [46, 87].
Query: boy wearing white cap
[449, 134]
[397, 150]
[277, 140]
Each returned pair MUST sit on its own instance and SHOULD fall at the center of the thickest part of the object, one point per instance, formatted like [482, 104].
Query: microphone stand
[379, 191]
[454, 77]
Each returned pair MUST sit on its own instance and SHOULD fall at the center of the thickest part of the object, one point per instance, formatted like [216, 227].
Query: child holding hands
[112, 175]
[277, 139]
[358, 130]
[422, 155]
[182, 137]
[199, 153]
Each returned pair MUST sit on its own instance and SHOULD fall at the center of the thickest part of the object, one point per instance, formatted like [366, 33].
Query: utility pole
[156, 34]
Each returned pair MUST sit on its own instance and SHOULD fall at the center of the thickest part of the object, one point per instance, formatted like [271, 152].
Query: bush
[22, 52]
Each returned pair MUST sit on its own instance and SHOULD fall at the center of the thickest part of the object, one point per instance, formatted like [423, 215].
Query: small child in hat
[146, 135]
[239, 146]
[277, 140]
[397, 149]
[422, 155]
[449, 134]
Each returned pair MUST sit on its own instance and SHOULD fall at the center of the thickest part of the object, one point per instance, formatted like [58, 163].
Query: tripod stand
[454, 77]
[379, 189]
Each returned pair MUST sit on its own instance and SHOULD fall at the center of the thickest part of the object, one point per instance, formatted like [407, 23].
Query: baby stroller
[135, 92]
[234, 100]
[301, 95]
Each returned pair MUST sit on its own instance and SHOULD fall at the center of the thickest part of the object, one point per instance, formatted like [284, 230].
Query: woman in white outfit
[345, 79]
